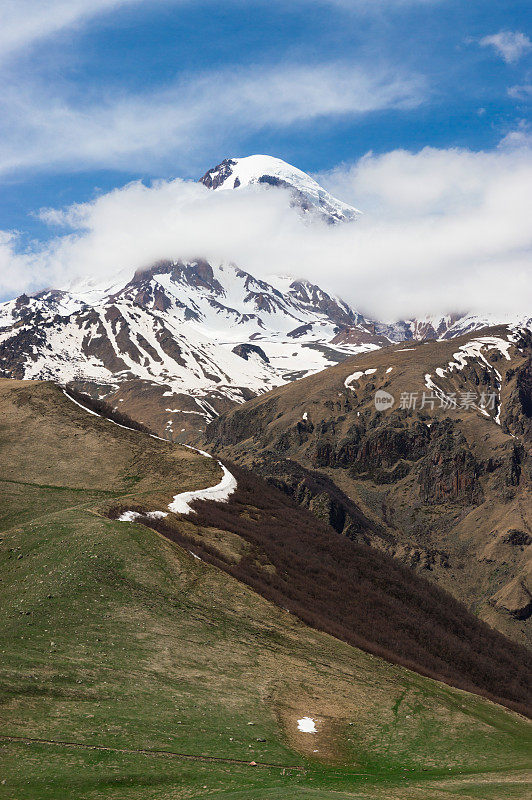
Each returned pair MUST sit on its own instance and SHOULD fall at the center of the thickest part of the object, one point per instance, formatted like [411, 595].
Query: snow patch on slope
[356, 377]
[474, 350]
[306, 725]
[220, 493]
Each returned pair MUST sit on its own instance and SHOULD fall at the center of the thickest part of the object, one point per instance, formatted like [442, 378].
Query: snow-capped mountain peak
[236, 173]
[204, 334]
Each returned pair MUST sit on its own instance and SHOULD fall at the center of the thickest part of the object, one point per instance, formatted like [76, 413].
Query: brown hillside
[445, 491]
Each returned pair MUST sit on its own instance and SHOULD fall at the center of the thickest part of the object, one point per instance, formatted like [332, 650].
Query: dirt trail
[149, 752]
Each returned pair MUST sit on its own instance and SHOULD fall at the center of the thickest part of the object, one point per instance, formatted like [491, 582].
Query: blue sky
[97, 93]
[130, 50]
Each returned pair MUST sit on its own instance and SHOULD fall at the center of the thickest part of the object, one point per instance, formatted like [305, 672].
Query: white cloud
[520, 138]
[521, 92]
[443, 230]
[23, 22]
[17, 271]
[510, 45]
[171, 125]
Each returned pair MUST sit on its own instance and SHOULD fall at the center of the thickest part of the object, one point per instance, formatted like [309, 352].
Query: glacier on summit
[260, 170]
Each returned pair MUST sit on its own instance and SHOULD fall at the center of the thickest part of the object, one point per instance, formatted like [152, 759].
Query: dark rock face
[198, 273]
[153, 298]
[309, 293]
[245, 350]
[22, 301]
[516, 416]
[97, 343]
[219, 174]
[263, 302]
[14, 352]
[272, 180]
[388, 445]
[302, 330]
[449, 472]
[366, 334]
[371, 452]
[513, 466]
[524, 386]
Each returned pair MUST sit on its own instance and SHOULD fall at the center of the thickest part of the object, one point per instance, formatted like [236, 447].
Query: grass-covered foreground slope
[120, 643]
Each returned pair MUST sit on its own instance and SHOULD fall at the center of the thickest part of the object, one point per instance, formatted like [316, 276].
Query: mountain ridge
[443, 488]
[130, 667]
[206, 334]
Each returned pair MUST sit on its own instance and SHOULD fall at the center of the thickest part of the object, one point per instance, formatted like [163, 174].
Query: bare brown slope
[47, 440]
[447, 492]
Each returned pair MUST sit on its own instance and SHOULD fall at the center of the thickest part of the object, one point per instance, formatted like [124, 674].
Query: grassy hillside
[116, 643]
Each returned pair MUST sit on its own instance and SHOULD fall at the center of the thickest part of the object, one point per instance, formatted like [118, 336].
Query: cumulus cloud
[443, 230]
[173, 124]
[509, 45]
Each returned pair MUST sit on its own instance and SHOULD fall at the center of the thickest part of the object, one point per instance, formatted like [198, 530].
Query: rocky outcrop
[320, 495]
[219, 174]
[386, 453]
[246, 350]
[449, 473]
[13, 354]
[517, 413]
[515, 599]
